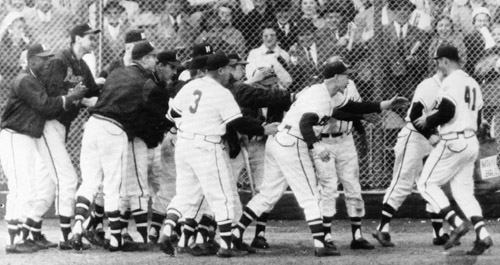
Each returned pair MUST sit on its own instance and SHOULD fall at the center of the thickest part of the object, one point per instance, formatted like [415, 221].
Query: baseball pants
[103, 159]
[343, 165]
[204, 166]
[452, 160]
[287, 162]
[410, 149]
[162, 176]
[17, 155]
[135, 189]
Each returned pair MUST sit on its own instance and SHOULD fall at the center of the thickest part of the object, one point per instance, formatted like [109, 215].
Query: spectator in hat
[270, 54]
[50, 24]
[218, 30]
[14, 40]
[115, 26]
[286, 24]
[404, 56]
[130, 39]
[479, 40]
[252, 30]
[461, 12]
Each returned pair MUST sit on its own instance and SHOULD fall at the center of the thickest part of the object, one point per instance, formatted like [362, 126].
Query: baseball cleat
[20, 248]
[128, 247]
[439, 241]
[480, 246]
[259, 242]
[456, 235]
[76, 242]
[167, 246]
[325, 252]
[43, 243]
[240, 245]
[198, 251]
[127, 238]
[361, 243]
[384, 238]
[153, 235]
[95, 237]
[228, 253]
[330, 244]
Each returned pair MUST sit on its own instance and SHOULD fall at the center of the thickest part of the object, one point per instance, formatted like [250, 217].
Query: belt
[104, 118]
[333, 135]
[456, 135]
[215, 139]
[288, 130]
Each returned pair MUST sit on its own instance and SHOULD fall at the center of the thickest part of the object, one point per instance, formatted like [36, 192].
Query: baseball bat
[244, 152]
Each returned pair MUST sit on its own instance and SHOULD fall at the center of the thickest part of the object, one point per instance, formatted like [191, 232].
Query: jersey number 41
[467, 97]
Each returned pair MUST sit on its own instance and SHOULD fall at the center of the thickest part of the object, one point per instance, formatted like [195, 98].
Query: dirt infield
[290, 244]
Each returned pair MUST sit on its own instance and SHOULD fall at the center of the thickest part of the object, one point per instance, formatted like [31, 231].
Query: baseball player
[412, 146]
[338, 139]
[252, 95]
[287, 160]
[22, 138]
[458, 115]
[202, 109]
[114, 121]
[94, 223]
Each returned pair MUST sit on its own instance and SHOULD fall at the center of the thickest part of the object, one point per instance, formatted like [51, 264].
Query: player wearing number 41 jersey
[459, 113]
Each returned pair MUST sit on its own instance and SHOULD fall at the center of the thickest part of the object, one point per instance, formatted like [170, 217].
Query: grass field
[290, 244]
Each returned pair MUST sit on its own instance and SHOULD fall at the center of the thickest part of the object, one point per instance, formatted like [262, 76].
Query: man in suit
[404, 51]
[286, 26]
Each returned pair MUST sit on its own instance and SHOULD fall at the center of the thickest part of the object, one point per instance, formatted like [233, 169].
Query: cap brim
[45, 54]
[174, 63]
[242, 62]
[436, 57]
[348, 72]
[91, 31]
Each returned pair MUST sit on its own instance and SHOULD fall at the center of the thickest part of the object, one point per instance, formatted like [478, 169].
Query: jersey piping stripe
[302, 166]
[199, 206]
[55, 172]
[16, 180]
[137, 173]
[220, 181]
[430, 173]
[400, 167]
[232, 118]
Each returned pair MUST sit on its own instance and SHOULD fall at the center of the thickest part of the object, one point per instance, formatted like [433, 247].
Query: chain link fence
[388, 42]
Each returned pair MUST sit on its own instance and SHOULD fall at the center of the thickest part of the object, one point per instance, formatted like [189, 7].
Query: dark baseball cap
[142, 49]
[38, 51]
[198, 62]
[134, 35]
[447, 51]
[168, 57]
[202, 49]
[234, 59]
[336, 68]
[216, 61]
[82, 30]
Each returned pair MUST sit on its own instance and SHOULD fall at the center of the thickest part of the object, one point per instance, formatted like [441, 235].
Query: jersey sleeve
[230, 109]
[449, 91]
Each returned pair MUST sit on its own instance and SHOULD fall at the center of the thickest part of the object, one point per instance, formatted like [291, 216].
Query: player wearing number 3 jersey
[459, 113]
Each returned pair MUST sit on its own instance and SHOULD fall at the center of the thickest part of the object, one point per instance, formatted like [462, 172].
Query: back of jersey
[206, 107]
[465, 93]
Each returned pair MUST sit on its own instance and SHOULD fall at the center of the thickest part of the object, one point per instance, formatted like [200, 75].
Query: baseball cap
[480, 10]
[447, 51]
[202, 49]
[82, 30]
[336, 68]
[142, 49]
[217, 60]
[168, 57]
[234, 59]
[38, 51]
[134, 35]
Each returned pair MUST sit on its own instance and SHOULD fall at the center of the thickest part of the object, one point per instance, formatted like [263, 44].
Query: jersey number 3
[468, 99]
[194, 107]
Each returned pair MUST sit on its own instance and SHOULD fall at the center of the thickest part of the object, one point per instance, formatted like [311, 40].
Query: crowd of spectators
[295, 37]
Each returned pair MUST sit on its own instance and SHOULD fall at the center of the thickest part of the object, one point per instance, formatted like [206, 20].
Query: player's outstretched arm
[445, 112]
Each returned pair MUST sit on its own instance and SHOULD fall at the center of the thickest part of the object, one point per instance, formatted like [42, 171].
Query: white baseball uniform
[343, 164]
[201, 161]
[411, 147]
[453, 158]
[287, 160]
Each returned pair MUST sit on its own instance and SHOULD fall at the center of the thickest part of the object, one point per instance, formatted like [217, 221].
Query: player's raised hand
[372, 118]
[76, 93]
[421, 122]
[260, 74]
[271, 128]
[394, 103]
[434, 139]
